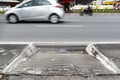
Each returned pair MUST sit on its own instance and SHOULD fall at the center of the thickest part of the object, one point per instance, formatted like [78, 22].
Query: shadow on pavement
[40, 22]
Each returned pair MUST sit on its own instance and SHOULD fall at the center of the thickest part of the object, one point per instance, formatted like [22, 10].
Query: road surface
[73, 28]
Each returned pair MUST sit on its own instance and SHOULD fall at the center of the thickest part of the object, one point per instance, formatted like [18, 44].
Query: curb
[108, 63]
[28, 51]
[61, 43]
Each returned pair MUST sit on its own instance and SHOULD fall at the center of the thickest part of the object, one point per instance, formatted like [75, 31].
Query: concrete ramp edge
[108, 63]
[27, 52]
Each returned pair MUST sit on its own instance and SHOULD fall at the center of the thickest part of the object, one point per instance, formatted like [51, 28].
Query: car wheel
[13, 18]
[54, 18]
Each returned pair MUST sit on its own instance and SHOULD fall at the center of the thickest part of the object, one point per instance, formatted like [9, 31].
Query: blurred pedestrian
[66, 4]
[114, 6]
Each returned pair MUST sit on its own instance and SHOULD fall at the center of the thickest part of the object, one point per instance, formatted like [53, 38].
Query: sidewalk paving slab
[59, 63]
[63, 62]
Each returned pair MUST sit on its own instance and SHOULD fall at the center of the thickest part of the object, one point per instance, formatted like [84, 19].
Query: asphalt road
[73, 28]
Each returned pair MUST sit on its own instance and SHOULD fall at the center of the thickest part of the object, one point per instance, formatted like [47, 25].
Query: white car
[48, 10]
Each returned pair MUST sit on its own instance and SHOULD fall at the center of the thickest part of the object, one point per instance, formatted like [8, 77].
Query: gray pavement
[60, 62]
[111, 51]
[31, 77]
[8, 52]
[66, 63]
[73, 28]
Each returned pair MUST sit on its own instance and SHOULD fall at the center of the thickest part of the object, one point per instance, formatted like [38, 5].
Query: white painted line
[60, 26]
[59, 42]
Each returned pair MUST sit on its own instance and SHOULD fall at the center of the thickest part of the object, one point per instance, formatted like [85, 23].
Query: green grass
[1, 12]
[106, 11]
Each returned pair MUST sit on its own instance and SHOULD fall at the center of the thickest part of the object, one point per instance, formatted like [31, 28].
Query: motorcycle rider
[89, 9]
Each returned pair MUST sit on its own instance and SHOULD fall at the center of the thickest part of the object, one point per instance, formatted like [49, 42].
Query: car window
[27, 4]
[41, 2]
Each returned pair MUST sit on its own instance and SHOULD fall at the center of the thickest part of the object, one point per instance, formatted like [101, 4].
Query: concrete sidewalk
[65, 62]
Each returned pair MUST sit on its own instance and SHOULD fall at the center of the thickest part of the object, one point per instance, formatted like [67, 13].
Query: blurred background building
[66, 3]
[8, 2]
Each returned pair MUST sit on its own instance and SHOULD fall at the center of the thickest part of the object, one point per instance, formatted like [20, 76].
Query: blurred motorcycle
[87, 11]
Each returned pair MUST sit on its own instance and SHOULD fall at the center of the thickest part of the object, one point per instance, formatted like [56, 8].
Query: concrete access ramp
[56, 61]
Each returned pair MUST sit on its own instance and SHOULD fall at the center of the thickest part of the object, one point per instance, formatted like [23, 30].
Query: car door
[26, 10]
[42, 8]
